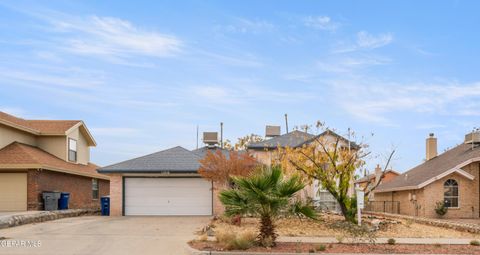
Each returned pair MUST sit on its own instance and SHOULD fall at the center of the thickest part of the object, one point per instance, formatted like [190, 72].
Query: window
[450, 188]
[95, 188]
[72, 150]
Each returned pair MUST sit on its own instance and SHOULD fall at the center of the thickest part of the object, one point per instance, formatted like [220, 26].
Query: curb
[192, 251]
[22, 219]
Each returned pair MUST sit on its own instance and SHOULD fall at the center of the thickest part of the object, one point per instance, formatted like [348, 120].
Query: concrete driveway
[105, 235]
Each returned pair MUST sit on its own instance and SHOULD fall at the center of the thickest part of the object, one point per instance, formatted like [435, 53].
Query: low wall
[21, 219]
[466, 227]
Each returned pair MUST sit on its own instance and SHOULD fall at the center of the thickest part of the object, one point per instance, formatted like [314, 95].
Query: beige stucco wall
[55, 145]
[83, 151]
[427, 197]
[9, 135]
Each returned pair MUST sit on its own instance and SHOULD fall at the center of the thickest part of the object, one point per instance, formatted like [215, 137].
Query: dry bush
[231, 240]
[203, 237]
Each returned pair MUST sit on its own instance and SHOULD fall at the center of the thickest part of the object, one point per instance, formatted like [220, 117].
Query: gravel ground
[304, 227]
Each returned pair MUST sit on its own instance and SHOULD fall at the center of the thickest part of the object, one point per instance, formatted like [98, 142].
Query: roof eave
[145, 171]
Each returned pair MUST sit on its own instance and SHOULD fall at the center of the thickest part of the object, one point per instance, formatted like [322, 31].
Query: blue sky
[143, 74]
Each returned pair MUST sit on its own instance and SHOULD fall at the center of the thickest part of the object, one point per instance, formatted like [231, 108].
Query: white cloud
[115, 37]
[212, 95]
[114, 131]
[321, 23]
[350, 63]
[366, 41]
[377, 101]
[243, 25]
[16, 111]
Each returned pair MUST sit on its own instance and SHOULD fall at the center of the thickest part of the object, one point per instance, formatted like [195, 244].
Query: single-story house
[47, 155]
[162, 183]
[451, 178]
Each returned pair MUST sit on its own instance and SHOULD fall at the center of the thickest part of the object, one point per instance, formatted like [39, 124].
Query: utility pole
[197, 136]
[221, 135]
[286, 123]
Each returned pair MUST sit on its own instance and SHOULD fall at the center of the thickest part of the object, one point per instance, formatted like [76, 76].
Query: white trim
[444, 174]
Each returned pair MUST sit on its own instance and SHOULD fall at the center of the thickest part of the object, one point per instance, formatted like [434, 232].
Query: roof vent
[473, 137]
[272, 131]
[210, 138]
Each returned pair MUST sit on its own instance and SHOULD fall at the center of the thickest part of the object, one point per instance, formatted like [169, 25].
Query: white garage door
[13, 191]
[168, 196]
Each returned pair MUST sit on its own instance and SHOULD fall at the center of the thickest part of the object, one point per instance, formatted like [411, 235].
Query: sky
[144, 74]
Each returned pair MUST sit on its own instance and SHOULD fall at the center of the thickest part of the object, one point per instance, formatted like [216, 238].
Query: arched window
[450, 194]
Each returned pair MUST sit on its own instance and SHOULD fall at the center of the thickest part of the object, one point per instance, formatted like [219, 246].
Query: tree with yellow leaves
[333, 161]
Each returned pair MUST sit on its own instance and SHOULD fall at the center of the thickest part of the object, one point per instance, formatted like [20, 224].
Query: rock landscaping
[308, 248]
[466, 227]
[21, 219]
[222, 235]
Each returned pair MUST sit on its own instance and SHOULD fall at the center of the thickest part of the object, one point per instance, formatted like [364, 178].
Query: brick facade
[79, 187]
[116, 195]
[427, 197]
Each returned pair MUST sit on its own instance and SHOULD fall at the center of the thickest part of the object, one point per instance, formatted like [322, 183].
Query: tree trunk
[346, 213]
[267, 234]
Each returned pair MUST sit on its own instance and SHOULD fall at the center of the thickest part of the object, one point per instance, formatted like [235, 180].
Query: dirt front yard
[322, 228]
[350, 248]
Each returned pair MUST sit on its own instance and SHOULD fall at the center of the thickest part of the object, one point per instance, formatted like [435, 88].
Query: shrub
[321, 247]
[437, 245]
[475, 243]
[339, 238]
[440, 208]
[203, 237]
[231, 240]
[391, 241]
[354, 232]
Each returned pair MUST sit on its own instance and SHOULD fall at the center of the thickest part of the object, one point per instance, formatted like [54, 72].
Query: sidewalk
[378, 240]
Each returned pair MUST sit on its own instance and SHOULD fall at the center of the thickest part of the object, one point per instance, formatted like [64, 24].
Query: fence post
[384, 206]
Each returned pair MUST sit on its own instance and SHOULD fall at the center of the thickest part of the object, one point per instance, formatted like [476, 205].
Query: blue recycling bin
[63, 201]
[105, 204]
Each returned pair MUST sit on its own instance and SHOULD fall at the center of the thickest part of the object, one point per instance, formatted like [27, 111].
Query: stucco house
[266, 153]
[162, 183]
[47, 155]
[451, 177]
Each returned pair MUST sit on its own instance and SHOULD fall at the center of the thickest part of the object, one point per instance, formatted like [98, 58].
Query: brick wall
[116, 195]
[79, 187]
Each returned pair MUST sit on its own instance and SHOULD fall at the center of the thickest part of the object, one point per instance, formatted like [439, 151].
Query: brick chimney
[431, 147]
[378, 173]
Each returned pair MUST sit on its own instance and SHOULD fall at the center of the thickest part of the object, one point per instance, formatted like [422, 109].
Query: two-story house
[47, 155]
[266, 152]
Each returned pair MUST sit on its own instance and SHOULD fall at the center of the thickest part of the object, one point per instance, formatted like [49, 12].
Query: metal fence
[383, 206]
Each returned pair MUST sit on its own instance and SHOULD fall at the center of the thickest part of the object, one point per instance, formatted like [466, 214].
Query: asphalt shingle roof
[432, 168]
[176, 159]
[19, 154]
[41, 126]
[201, 152]
[292, 139]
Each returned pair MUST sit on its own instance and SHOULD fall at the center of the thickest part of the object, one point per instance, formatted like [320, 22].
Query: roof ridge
[150, 154]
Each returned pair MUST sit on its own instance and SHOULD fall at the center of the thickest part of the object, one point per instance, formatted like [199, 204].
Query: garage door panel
[168, 196]
[13, 191]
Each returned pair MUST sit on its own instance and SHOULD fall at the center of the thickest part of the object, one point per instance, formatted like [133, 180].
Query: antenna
[286, 123]
[221, 135]
[197, 136]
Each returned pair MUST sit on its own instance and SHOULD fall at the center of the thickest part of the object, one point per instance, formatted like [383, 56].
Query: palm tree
[268, 195]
